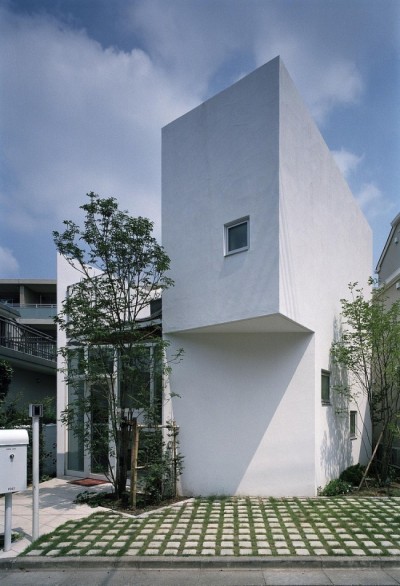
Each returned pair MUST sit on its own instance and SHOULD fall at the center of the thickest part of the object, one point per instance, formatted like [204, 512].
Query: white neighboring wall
[257, 326]
[66, 276]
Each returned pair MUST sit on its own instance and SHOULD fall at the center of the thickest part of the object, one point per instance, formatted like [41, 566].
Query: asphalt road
[202, 577]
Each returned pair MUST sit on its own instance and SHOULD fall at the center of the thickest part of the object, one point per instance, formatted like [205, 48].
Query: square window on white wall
[237, 236]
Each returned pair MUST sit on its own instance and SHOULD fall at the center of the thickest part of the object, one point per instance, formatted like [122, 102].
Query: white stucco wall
[325, 243]
[66, 276]
[254, 150]
[246, 413]
[220, 163]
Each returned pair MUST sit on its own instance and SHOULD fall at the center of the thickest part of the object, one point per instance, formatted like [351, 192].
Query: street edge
[196, 562]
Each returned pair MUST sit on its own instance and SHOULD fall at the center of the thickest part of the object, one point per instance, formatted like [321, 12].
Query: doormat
[88, 482]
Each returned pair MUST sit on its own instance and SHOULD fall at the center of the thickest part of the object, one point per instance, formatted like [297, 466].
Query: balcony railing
[34, 310]
[27, 340]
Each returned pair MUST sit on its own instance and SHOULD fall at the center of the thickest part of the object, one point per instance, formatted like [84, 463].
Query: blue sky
[86, 86]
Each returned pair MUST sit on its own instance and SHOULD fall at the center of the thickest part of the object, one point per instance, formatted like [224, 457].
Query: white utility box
[13, 459]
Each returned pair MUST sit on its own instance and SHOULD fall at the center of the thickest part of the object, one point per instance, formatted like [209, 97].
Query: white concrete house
[264, 236]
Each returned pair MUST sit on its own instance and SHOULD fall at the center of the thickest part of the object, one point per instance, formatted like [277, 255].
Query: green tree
[369, 350]
[114, 356]
[6, 375]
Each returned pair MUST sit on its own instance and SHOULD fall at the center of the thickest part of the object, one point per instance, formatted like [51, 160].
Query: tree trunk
[386, 457]
[122, 460]
[123, 436]
[134, 462]
[370, 461]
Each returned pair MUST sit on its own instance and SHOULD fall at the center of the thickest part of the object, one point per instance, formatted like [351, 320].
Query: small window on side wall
[325, 387]
[353, 424]
[237, 236]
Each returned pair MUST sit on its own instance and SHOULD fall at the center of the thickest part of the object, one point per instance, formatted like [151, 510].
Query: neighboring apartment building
[388, 267]
[264, 236]
[28, 338]
[388, 271]
[34, 299]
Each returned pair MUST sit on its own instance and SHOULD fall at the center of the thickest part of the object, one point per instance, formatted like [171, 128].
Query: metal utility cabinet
[13, 460]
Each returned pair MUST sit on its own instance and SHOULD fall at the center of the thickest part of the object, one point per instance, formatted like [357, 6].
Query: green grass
[14, 537]
[237, 526]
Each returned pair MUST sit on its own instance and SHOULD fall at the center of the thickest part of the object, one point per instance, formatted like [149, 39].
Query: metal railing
[24, 339]
[33, 310]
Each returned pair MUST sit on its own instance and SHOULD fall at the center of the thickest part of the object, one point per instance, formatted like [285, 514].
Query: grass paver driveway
[238, 526]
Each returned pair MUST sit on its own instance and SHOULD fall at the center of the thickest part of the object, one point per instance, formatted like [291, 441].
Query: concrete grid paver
[238, 526]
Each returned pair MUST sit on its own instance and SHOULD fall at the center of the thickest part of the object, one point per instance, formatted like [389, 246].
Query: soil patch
[109, 501]
[371, 488]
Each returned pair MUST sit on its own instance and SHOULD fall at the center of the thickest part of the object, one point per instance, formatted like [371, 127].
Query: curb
[197, 562]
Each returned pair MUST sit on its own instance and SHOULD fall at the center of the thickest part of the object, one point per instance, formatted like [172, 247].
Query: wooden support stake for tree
[370, 461]
[174, 457]
[134, 462]
[123, 458]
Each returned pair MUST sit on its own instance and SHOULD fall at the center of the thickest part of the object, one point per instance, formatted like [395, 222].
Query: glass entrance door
[100, 447]
[76, 452]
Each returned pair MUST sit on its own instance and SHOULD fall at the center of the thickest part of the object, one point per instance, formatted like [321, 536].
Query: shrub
[353, 474]
[162, 464]
[336, 487]
[6, 375]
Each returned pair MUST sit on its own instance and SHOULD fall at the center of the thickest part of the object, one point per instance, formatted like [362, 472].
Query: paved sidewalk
[56, 506]
[201, 576]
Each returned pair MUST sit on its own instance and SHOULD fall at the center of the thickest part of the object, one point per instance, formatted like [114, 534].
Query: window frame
[228, 226]
[325, 374]
[353, 424]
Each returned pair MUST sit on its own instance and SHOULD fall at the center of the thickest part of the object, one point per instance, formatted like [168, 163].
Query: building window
[325, 387]
[237, 236]
[353, 424]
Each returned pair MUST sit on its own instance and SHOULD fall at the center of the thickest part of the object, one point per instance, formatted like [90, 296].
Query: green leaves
[6, 375]
[115, 356]
[368, 348]
[122, 269]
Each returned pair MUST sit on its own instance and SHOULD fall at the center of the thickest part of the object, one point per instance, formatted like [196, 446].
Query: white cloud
[370, 198]
[325, 81]
[192, 40]
[347, 161]
[8, 263]
[373, 201]
[339, 83]
[75, 118]
[368, 194]
[78, 117]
